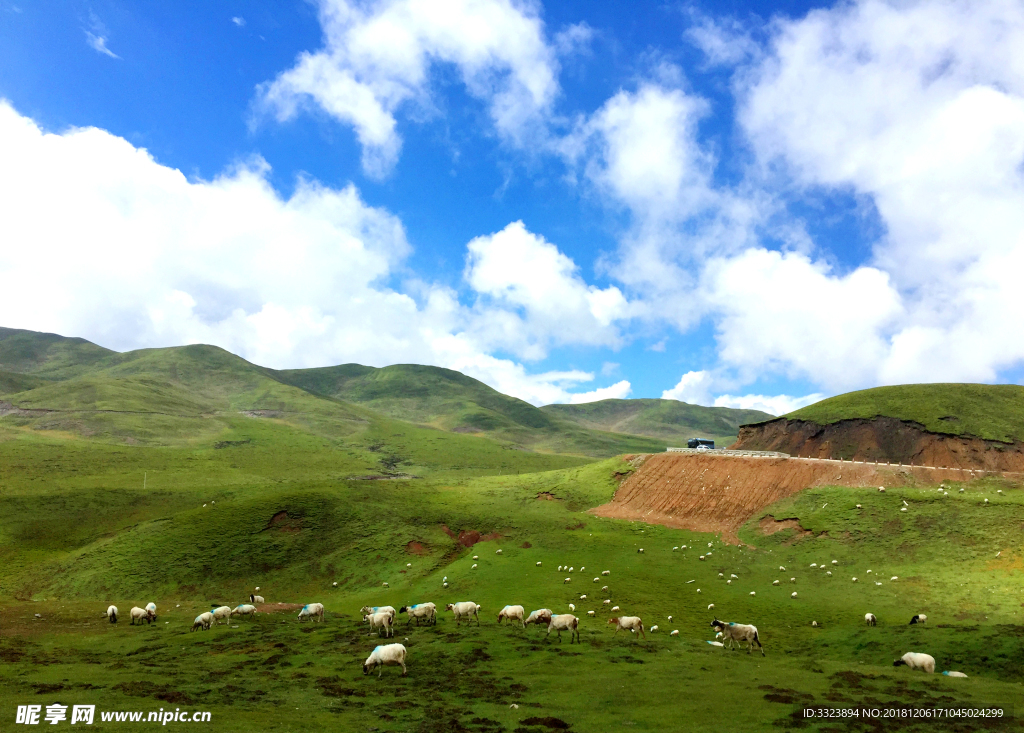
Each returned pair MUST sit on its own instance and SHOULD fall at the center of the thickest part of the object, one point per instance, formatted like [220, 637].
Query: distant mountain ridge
[668, 420]
[72, 384]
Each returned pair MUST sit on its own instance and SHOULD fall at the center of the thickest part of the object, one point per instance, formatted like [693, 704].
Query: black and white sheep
[918, 619]
[870, 620]
[417, 611]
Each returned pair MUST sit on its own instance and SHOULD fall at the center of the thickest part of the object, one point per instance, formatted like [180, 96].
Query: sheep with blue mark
[386, 654]
[316, 611]
[418, 611]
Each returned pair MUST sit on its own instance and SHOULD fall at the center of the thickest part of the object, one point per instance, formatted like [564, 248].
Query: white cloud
[139, 256]
[617, 391]
[96, 36]
[920, 107]
[379, 55]
[534, 296]
[238, 20]
[724, 41]
[693, 387]
[772, 404]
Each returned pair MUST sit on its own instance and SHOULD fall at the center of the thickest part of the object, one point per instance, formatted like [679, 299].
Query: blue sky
[734, 203]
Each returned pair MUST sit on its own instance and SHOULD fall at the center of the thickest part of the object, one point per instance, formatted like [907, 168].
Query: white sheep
[675, 632]
[385, 585]
[538, 563]
[559, 568]
[792, 580]
[367, 610]
[570, 570]
[245, 609]
[870, 620]
[540, 616]
[775, 582]
[734, 575]
[572, 606]
[596, 580]
[111, 614]
[606, 602]
[567, 580]
[721, 575]
[151, 607]
[701, 557]
[895, 577]
[835, 562]
[738, 633]
[814, 624]
[923, 662]
[316, 611]
[381, 620]
[854, 580]
[444, 585]
[753, 593]
[793, 594]
[464, 609]
[203, 621]
[814, 564]
[614, 609]
[629, 623]
[564, 622]
[606, 572]
[221, 613]
[255, 598]
[474, 567]
[641, 551]
[590, 613]
[583, 597]
[140, 615]
[653, 628]
[710, 606]
[387, 654]
[418, 611]
[582, 569]
[954, 674]
[476, 557]
[604, 588]
[782, 568]
[828, 573]
[497, 552]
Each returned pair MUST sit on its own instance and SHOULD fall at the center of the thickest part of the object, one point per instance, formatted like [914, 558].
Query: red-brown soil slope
[883, 439]
[719, 493]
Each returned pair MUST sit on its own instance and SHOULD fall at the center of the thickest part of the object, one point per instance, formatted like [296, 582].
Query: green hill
[668, 420]
[990, 411]
[188, 392]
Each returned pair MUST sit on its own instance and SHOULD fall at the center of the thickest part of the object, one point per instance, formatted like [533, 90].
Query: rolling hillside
[669, 420]
[156, 396]
[987, 411]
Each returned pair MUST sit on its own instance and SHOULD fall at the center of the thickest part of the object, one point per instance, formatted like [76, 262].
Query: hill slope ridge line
[881, 439]
[721, 493]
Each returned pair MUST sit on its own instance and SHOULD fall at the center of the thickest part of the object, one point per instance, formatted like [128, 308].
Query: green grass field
[990, 411]
[188, 477]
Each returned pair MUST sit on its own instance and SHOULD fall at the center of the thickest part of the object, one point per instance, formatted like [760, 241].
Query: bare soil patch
[770, 525]
[547, 496]
[883, 439]
[281, 521]
[715, 493]
[469, 537]
[416, 548]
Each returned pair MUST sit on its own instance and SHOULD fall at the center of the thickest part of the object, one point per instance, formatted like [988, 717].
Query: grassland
[188, 477]
[282, 511]
[669, 420]
[989, 411]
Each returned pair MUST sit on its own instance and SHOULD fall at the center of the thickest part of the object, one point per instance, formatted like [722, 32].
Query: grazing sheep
[604, 588]
[590, 613]
[814, 564]
[895, 577]
[256, 599]
[565, 622]
[140, 615]
[754, 593]
[954, 674]
[828, 573]
[701, 557]
[792, 580]
[474, 567]
[870, 619]
[923, 662]
[615, 608]
[476, 557]
[444, 585]
[629, 623]
[606, 572]
[221, 613]
[814, 624]
[203, 621]
[583, 597]
[653, 628]
[567, 580]
[559, 568]
[882, 489]
[734, 575]
[111, 614]
[540, 616]
[835, 562]
[367, 610]
[385, 585]
[387, 654]
[675, 632]
[775, 582]
[572, 606]
[417, 611]
[854, 580]
[670, 618]
[538, 563]
[570, 570]
[316, 611]
[380, 621]
[782, 568]
[739, 633]
[919, 619]
[244, 610]
[606, 601]
[710, 606]
[465, 609]
[582, 569]
[791, 595]
[497, 552]
[596, 580]
[721, 575]
[334, 584]
[151, 607]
